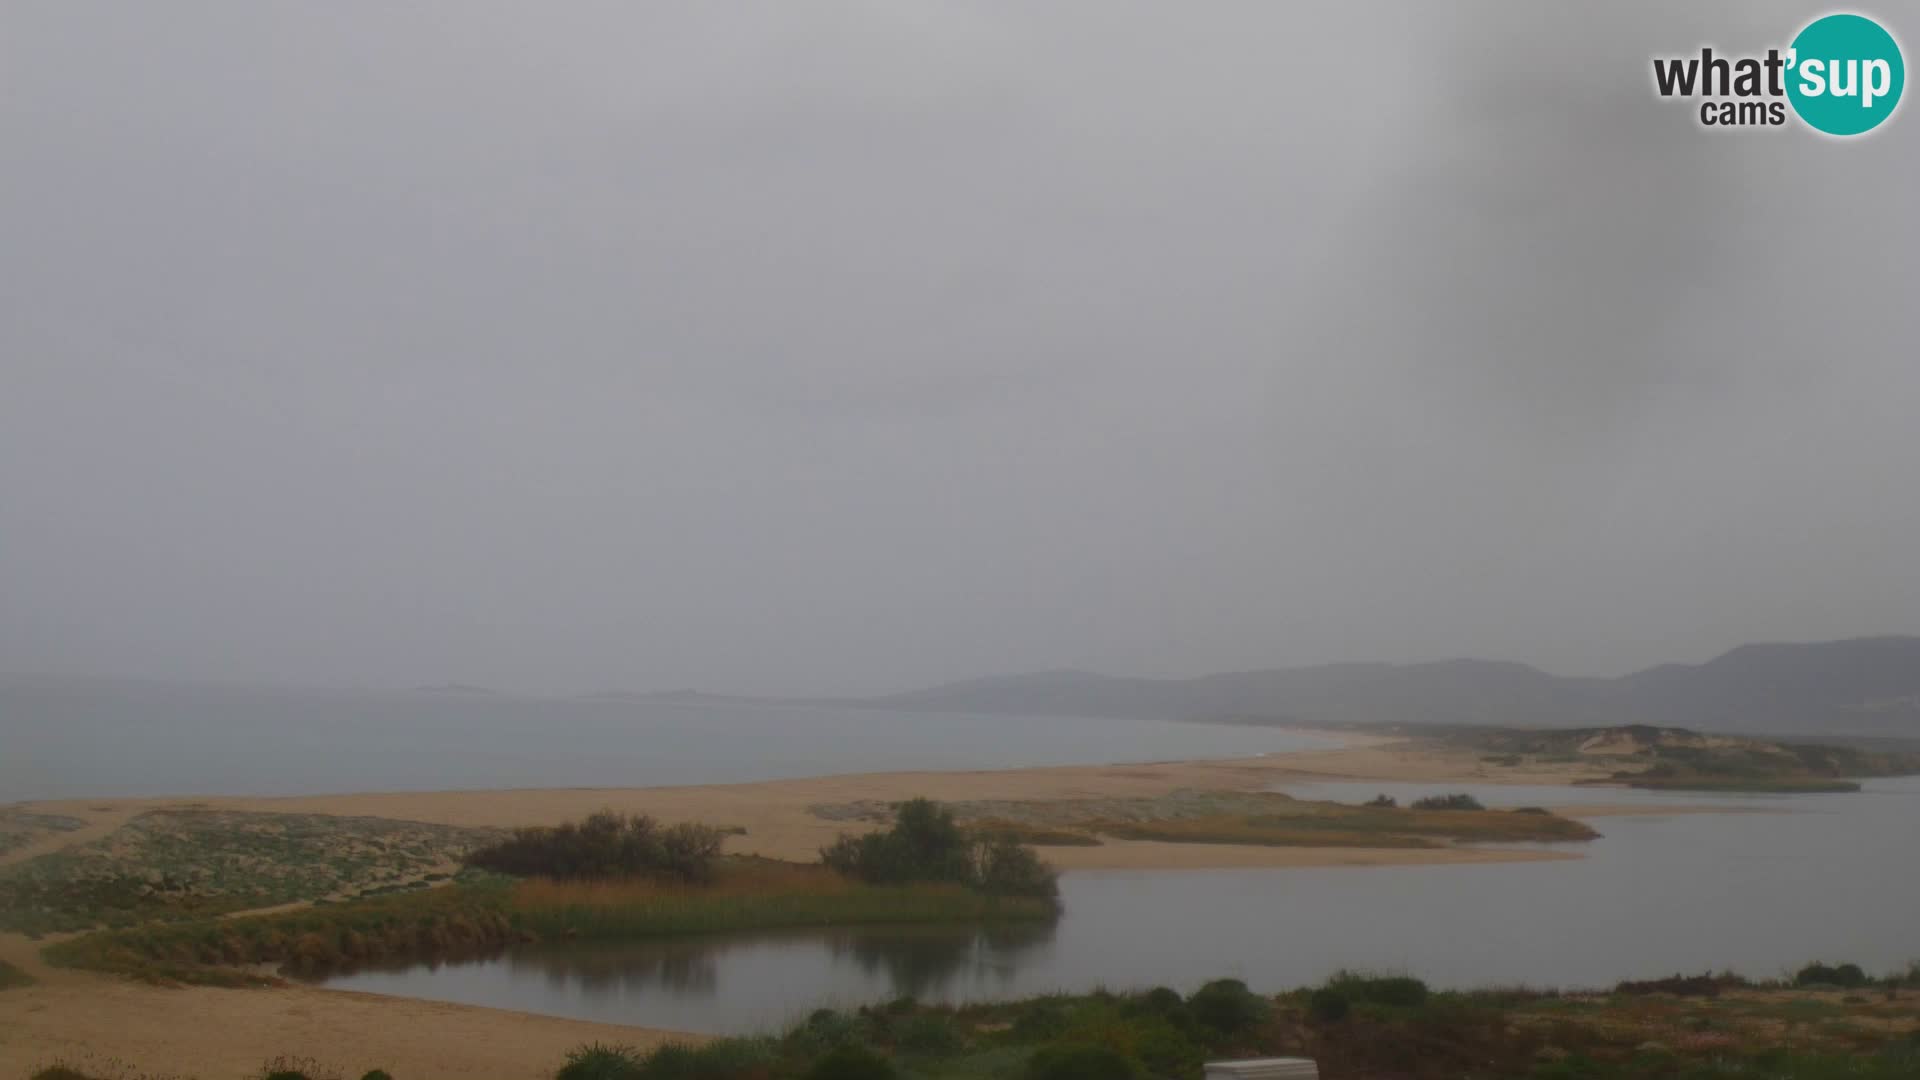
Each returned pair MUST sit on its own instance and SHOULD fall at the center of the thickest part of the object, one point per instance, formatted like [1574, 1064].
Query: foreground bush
[598, 1061]
[1081, 1061]
[1227, 1006]
[605, 845]
[926, 844]
[851, 1061]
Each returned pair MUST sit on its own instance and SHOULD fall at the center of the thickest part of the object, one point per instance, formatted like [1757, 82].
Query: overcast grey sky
[808, 347]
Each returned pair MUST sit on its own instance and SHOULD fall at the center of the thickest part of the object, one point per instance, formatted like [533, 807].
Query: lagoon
[1785, 880]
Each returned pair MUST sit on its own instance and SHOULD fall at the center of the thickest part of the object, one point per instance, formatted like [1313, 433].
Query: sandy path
[221, 1034]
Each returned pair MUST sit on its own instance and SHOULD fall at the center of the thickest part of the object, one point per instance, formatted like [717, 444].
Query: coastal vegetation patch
[926, 844]
[1260, 818]
[1676, 759]
[191, 864]
[1355, 1025]
[610, 877]
[20, 826]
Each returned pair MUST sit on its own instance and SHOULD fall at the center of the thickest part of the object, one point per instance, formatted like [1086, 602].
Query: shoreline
[78, 1016]
[779, 822]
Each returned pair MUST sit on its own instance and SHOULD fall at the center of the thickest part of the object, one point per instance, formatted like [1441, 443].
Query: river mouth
[1801, 878]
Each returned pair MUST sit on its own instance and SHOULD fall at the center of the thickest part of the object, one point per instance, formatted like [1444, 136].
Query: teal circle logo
[1845, 74]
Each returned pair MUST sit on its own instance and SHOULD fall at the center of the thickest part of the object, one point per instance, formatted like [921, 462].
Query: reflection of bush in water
[919, 962]
[686, 968]
[915, 961]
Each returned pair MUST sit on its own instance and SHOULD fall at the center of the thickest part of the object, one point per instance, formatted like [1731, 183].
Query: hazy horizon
[845, 351]
[430, 686]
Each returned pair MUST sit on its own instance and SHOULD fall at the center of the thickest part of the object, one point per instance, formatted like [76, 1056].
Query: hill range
[1860, 687]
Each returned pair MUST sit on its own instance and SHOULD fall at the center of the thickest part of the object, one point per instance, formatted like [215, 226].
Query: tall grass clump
[605, 845]
[758, 898]
[1458, 801]
[925, 844]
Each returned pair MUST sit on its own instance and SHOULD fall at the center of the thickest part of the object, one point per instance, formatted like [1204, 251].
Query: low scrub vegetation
[1846, 976]
[606, 845]
[1224, 817]
[279, 1068]
[1022, 833]
[1460, 801]
[925, 844]
[20, 826]
[194, 864]
[1354, 1025]
[1357, 826]
[484, 915]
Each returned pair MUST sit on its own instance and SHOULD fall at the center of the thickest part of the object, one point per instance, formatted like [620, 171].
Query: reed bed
[472, 918]
[804, 896]
[1332, 825]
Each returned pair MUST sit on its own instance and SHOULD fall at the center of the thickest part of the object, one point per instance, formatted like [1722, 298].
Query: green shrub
[598, 1061]
[717, 1060]
[928, 1034]
[1846, 976]
[376, 1074]
[824, 1030]
[851, 1061]
[604, 845]
[1328, 1005]
[1081, 1061]
[1398, 991]
[1165, 1050]
[1227, 1006]
[926, 844]
[58, 1072]
[1005, 867]
[1045, 1019]
[1382, 802]
[1448, 802]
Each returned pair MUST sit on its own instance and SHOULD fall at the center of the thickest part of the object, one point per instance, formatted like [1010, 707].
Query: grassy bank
[748, 894]
[767, 895]
[1675, 759]
[1780, 785]
[1257, 817]
[1355, 1026]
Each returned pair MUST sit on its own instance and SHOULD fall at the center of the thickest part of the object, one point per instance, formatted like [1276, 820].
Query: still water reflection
[1805, 877]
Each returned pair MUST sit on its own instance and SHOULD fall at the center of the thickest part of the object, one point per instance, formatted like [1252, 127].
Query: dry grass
[748, 894]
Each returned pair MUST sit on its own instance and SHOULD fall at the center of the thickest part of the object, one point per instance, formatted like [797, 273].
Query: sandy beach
[77, 1016]
[779, 820]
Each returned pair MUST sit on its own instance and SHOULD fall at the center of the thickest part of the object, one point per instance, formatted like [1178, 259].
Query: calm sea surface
[1786, 880]
[77, 740]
